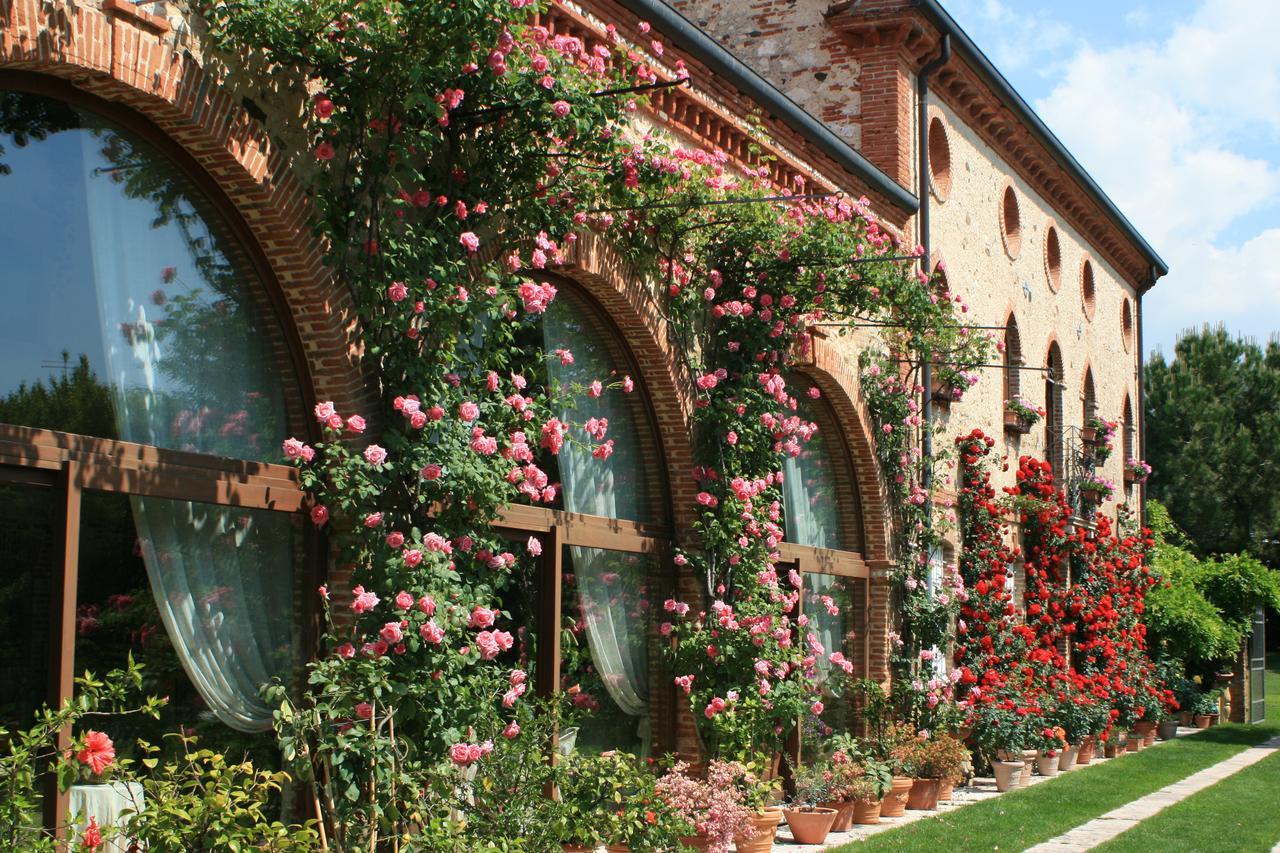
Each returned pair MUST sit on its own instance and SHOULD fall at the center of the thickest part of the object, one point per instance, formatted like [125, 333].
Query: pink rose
[534, 546]
[560, 108]
[363, 601]
[397, 292]
[364, 710]
[391, 633]
[295, 449]
[431, 632]
[460, 754]
[346, 650]
[512, 730]
[395, 539]
[325, 151]
[431, 472]
[427, 605]
[482, 617]
[816, 708]
[324, 411]
[324, 107]
[412, 557]
[375, 455]
[469, 241]
[404, 600]
[373, 519]
[468, 411]
[319, 515]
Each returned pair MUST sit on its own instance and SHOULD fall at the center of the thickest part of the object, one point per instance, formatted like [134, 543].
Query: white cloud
[1182, 134]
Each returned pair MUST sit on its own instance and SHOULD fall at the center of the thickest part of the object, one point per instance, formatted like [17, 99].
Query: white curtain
[188, 370]
[609, 583]
[809, 497]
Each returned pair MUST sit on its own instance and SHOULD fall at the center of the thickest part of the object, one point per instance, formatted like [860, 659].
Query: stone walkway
[1108, 826]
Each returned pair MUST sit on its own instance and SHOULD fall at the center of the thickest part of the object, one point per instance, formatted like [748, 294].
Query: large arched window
[1053, 401]
[823, 543]
[602, 542]
[143, 376]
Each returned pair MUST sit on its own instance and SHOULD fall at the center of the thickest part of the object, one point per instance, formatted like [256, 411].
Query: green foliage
[202, 801]
[1213, 439]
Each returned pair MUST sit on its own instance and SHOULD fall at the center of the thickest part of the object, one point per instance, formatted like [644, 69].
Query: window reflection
[135, 313]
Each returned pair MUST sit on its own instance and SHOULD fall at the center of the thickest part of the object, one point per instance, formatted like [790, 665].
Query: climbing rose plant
[458, 153]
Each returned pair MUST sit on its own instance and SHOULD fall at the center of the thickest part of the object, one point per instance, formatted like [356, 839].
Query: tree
[1213, 440]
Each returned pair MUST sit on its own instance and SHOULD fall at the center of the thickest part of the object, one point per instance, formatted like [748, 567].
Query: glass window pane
[134, 312]
[622, 485]
[811, 497]
[202, 596]
[834, 606]
[605, 647]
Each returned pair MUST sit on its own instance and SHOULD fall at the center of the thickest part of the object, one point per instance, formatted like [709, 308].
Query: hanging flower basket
[945, 394]
[1016, 425]
[1089, 436]
[1093, 497]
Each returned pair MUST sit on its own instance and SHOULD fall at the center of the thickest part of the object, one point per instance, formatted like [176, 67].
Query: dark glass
[132, 311]
[835, 632]
[28, 555]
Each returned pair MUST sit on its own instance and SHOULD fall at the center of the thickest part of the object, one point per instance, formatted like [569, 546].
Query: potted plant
[999, 733]
[887, 746]
[1104, 431]
[714, 807]
[755, 780]
[840, 771]
[1094, 488]
[1020, 415]
[930, 760]
[1136, 471]
[1048, 741]
[809, 822]
[1205, 710]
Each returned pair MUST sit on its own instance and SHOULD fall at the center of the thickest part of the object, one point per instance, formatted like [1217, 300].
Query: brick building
[1042, 255]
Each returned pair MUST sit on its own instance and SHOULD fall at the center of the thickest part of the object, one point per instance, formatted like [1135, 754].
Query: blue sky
[1174, 107]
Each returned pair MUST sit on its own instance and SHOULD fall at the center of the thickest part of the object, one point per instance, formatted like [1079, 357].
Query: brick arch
[626, 298]
[123, 57]
[825, 365]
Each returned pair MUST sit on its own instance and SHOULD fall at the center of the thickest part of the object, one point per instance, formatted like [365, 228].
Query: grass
[1023, 818]
[1237, 814]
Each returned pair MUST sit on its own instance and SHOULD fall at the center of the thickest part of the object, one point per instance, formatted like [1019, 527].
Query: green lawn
[1237, 814]
[1023, 818]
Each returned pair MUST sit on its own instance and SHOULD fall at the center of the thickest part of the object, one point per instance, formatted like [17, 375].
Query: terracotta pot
[1028, 767]
[1186, 718]
[1204, 721]
[1067, 757]
[866, 814]
[1168, 729]
[895, 802]
[810, 827]
[766, 824]
[844, 814]
[1015, 425]
[1147, 729]
[1133, 742]
[1091, 496]
[618, 848]
[924, 795]
[577, 848]
[947, 791]
[1007, 773]
[1111, 750]
[696, 842]
[1087, 745]
[1047, 762]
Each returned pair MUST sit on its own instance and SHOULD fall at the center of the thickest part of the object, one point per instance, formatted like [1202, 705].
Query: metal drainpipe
[922, 179]
[1142, 403]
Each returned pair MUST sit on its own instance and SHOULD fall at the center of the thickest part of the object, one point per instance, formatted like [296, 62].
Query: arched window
[1053, 421]
[823, 543]
[1011, 361]
[144, 373]
[1128, 442]
[601, 541]
[1089, 399]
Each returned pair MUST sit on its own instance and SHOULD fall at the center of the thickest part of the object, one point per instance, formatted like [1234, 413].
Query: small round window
[939, 158]
[1053, 258]
[1011, 222]
[1088, 294]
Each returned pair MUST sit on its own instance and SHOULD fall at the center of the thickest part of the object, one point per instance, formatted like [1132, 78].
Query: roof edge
[978, 61]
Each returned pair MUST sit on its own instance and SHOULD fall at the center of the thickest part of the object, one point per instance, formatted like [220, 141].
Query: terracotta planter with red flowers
[1087, 744]
[810, 826]
[1047, 762]
[895, 802]
[844, 814]
[924, 795]
[866, 814]
[766, 824]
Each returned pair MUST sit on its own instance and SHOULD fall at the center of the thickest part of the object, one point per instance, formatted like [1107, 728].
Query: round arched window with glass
[144, 376]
